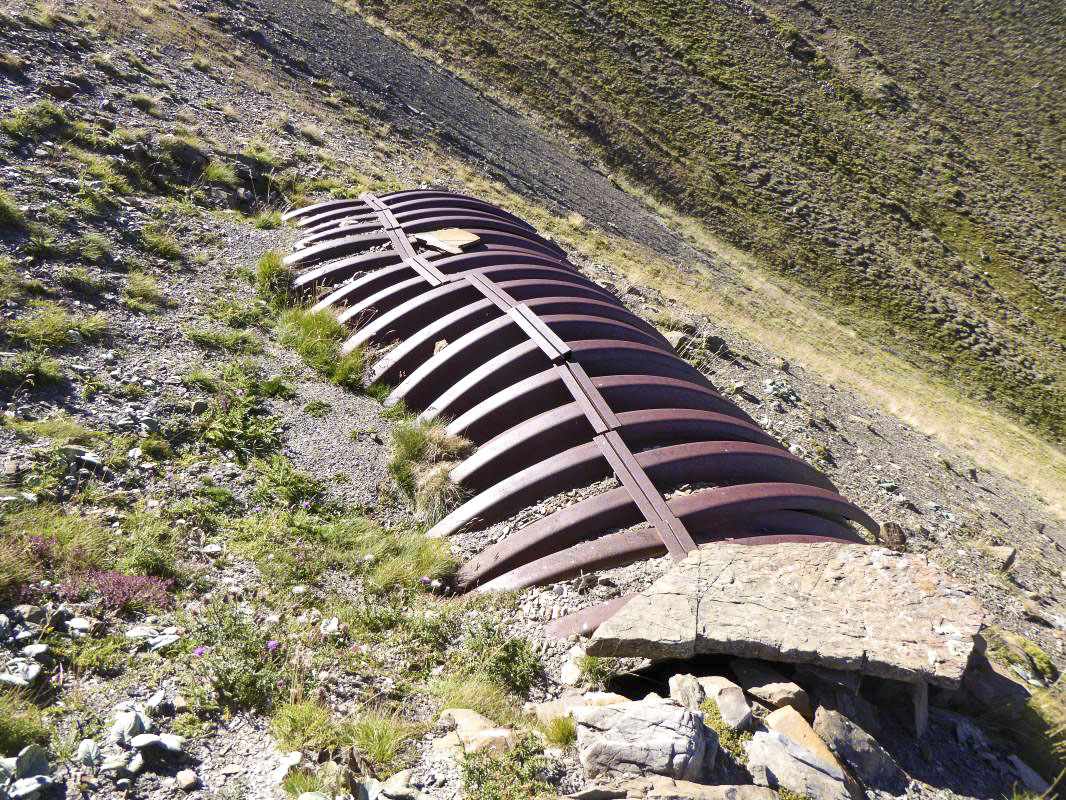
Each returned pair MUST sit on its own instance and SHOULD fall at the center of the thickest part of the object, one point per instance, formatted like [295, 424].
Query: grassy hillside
[904, 161]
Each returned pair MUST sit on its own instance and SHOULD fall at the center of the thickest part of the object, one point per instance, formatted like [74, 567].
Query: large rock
[473, 732]
[777, 761]
[642, 738]
[733, 707]
[859, 751]
[788, 721]
[686, 691]
[769, 686]
[564, 706]
[844, 606]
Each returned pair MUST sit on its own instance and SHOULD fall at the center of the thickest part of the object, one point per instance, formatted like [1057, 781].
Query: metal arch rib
[716, 462]
[405, 320]
[558, 429]
[704, 512]
[626, 547]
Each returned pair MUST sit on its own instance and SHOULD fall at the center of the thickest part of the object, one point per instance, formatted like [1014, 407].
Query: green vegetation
[35, 122]
[142, 294]
[10, 214]
[149, 547]
[317, 409]
[238, 314]
[312, 133]
[419, 462]
[267, 220]
[51, 325]
[317, 337]
[508, 661]
[237, 422]
[79, 279]
[21, 723]
[517, 774]
[146, 103]
[239, 342]
[561, 731]
[32, 369]
[241, 664]
[219, 173]
[476, 692]
[94, 247]
[70, 545]
[731, 740]
[91, 656]
[273, 280]
[158, 242]
[597, 671]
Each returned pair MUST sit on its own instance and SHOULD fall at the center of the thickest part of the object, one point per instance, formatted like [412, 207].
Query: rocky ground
[210, 583]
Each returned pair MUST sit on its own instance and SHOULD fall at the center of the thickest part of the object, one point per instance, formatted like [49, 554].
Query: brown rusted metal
[559, 385]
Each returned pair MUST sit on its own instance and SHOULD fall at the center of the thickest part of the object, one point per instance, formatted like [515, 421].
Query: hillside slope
[905, 162]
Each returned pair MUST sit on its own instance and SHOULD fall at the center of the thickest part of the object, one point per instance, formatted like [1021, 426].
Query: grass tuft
[157, 241]
[267, 220]
[31, 369]
[79, 279]
[142, 294]
[561, 731]
[51, 325]
[317, 337]
[35, 122]
[10, 214]
[21, 723]
[240, 342]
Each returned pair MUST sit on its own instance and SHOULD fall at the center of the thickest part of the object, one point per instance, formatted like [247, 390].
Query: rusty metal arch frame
[559, 385]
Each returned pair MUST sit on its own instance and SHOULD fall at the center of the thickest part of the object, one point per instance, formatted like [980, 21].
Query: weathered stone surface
[1030, 778]
[859, 751]
[733, 707]
[843, 606]
[473, 732]
[641, 738]
[563, 706]
[769, 686]
[466, 720]
[660, 787]
[686, 690]
[775, 760]
[458, 741]
[788, 721]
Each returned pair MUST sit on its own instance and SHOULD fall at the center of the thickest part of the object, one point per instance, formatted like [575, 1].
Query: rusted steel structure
[558, 385]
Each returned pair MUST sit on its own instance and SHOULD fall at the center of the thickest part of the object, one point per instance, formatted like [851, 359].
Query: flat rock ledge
[844, 606]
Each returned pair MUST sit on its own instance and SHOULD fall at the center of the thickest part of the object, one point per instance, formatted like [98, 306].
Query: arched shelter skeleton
[558, 385]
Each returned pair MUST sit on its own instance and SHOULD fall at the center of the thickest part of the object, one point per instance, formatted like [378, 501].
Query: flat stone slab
[842, 606]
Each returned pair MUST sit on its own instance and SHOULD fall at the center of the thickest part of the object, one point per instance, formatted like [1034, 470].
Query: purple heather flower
[272, 645]
[199, 651]
[306, 504]
[170, 476]
[281, 681]
[425, 579]
[255, 509]
[240, 393]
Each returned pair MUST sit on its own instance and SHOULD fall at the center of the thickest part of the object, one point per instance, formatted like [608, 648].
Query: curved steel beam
[406, 320]
[706, 512]
[715, 462]
[626, 547]
[554, 431]
[626, 392]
